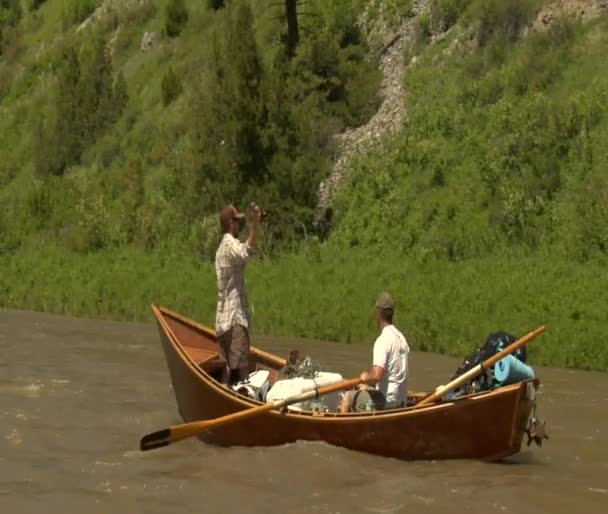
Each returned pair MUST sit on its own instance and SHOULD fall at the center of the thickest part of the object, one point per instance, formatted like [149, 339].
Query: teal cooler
[510, 370]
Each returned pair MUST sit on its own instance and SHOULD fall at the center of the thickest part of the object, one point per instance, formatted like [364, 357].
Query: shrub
[10, 15]
[423, 30]
[35, 4]
[215, 4]
[501, 19]
[80, 10]
[445, 13]
[176, 17]
[171, 86]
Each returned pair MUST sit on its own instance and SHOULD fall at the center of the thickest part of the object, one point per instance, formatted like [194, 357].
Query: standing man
[390, 366]
[233, 321]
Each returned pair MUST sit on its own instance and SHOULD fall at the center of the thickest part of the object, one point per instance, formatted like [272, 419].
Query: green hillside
[488, 211]
[145, 144]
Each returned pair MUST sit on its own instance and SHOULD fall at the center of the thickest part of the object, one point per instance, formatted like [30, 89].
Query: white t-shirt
[391, 352]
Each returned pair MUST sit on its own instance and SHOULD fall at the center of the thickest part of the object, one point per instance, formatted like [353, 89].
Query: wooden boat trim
[159, 310]
[224, 391]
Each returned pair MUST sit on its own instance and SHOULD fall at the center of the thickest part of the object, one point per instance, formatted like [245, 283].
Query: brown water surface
[76, 395]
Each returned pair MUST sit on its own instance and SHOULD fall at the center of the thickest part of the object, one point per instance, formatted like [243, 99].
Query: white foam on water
[28, 391]
[108, 464]
[130, 454]
[104, 487]
[384, 510]
[13, 437]
[424, 499]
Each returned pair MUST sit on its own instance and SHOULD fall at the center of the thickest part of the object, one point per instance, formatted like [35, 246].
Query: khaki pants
[234, 349]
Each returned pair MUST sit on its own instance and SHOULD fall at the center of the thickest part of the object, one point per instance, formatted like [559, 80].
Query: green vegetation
[219, 111]
[171, 86]
[488, 212]
[505, 148]
[322, 292]
[79, 10]
[176, 17]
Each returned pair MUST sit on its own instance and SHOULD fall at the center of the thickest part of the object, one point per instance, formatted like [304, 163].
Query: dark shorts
[234, 347]
[367, 399]
[371, 399]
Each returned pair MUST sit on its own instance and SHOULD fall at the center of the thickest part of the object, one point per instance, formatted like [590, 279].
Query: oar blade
[155, 440]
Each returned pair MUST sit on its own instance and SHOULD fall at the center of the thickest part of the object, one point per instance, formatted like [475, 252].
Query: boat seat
[214, 366]
[200, 356]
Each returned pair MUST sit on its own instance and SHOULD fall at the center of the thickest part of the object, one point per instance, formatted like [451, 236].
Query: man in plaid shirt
[232, 321]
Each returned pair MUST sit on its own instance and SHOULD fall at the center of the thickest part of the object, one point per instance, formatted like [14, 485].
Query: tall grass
[325, 292]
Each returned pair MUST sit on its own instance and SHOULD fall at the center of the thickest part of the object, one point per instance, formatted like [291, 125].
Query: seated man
[389, 371]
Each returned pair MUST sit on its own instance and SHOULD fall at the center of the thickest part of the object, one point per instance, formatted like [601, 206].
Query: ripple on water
[107, 464]
[384, 510]
[31, 390]
[14, 437]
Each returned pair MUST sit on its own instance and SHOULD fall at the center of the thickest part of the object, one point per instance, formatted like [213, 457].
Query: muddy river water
[76, 395]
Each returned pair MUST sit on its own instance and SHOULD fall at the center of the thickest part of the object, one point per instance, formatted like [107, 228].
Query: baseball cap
[385, 301]
[229, 212]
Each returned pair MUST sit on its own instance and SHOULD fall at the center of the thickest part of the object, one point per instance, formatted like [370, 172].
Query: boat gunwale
[308, 416]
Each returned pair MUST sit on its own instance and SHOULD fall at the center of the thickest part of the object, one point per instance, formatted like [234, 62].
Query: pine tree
[293, 31]
[228, 119]
[242, 93]
[88, 101]
[120, 95]
[10, 15]
[216, 4]
[96, 91]
[176, 17]
[133, 196]
[171, 86]
[68, 123]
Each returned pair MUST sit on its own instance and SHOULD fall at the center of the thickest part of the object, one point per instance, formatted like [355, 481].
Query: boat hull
[488, 426]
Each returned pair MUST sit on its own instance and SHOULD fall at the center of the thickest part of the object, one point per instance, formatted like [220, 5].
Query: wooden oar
[477, 370]
[178, 432]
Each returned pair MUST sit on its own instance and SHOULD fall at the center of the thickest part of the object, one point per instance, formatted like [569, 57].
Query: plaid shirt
[232, 306]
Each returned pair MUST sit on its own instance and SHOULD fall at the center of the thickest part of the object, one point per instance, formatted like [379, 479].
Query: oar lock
[536, 429]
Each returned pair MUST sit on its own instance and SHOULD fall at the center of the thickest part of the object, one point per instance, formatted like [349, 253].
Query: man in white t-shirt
[389, 372]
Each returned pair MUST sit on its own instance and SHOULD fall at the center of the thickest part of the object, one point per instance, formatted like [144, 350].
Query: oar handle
[477, 370]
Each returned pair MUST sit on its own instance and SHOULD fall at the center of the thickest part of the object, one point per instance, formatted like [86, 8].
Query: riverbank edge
[324, 294]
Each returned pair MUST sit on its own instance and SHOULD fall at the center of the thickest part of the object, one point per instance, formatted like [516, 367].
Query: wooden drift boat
[444, 430]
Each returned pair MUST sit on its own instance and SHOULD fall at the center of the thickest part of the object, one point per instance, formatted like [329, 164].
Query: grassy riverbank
[323, 292]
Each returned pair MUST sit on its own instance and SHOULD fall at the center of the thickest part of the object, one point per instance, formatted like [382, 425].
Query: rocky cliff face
[584, 9]
[392, 112]
[394, 46]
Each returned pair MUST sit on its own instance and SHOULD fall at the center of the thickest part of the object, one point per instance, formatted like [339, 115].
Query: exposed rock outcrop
[583, 9]
[149, 40]
[392, 112]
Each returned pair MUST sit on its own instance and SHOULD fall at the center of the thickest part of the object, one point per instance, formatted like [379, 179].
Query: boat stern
[527, 422]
